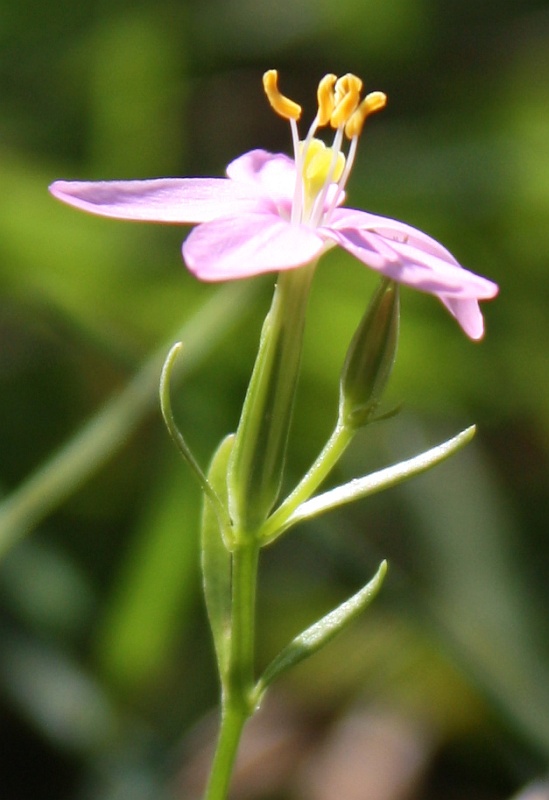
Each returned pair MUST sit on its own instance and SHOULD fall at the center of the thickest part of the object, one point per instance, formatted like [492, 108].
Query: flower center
[318, 170]
[322, 172]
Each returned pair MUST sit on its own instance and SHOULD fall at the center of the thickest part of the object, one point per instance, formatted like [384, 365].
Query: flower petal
[239, 247]
[177, 200]
[468, 314]
[406, 255]
[272, 173]
[411, 257]
[392, 229]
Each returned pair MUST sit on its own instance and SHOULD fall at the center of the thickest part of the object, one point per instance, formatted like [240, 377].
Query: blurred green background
[107, 684]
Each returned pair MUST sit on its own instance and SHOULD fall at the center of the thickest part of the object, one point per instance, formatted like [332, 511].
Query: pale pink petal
[441, 277]
[391, 229]
[409, 256]
[416, 260]
[272, 173]
[239, 247]
[468, 314]
[176, 200]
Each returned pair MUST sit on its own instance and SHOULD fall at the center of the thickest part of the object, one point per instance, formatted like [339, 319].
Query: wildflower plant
[272, 213]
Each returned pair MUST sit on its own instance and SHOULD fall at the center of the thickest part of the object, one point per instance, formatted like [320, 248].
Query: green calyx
[256, 465]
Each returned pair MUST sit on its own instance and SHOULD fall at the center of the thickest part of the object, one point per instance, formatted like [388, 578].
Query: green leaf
[377, 481]
[216, 558]
[323, 631]
[181, 444]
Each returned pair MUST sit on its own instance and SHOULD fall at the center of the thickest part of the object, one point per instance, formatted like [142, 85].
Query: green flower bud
[370, 357]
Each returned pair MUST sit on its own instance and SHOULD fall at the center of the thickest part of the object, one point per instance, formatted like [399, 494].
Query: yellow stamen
[373, 102]
[347, 98]
[326, 99]
[322, 172]
[282, 105]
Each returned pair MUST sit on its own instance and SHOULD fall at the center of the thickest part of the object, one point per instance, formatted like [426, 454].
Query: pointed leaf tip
[323, 631]
[385, 478]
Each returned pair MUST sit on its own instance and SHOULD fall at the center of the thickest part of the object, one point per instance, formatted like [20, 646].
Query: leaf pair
[216, 570]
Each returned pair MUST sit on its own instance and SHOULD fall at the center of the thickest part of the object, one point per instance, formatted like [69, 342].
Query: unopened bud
[370, 357]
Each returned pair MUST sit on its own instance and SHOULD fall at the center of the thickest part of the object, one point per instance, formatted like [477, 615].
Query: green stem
[253, 480]
[328, 458]
[232, 723]
[240, 678]
[238, 702]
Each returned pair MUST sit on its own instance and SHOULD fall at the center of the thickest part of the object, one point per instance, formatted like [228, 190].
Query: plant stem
[238, 702]
[254, 476]
[328, 458]
[232, 723]
[241, 664]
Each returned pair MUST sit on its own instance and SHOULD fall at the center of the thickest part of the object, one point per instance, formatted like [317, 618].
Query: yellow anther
[347, 98]
[326, 98]
[373, 102]
[347, 83]
[282, 105]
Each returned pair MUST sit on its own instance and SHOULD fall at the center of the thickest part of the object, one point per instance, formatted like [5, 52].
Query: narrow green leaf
[179, 440]
[322, 631]
[377, 481]
[216, 558]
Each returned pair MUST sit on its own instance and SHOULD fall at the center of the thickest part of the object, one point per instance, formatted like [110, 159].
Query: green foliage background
[105, 661]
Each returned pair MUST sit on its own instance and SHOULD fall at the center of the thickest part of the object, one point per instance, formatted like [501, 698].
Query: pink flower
[275, 213]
